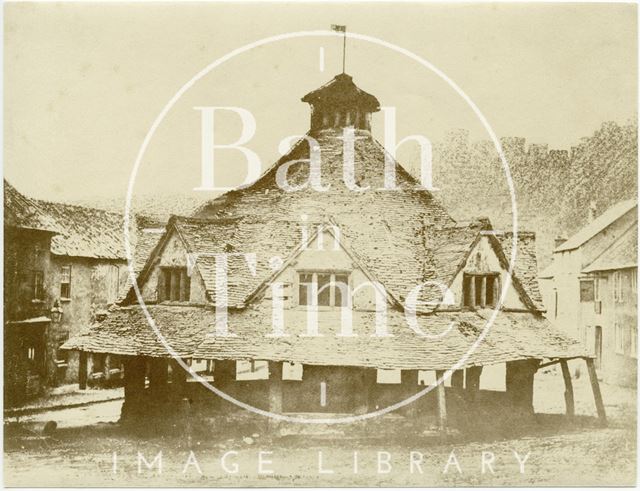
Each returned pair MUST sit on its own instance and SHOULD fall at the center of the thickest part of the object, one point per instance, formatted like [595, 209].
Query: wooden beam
[553, 362]
[595, 386]
[568, 389]
[82, 371]
[442, 401]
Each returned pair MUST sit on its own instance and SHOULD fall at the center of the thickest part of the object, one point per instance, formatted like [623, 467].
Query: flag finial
[343, 29]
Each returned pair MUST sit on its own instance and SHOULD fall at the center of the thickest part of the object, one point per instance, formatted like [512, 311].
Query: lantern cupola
[339, 104]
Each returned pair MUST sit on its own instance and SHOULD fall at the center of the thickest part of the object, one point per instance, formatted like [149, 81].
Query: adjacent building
[591, 291]
[28, 304]
[65, 259]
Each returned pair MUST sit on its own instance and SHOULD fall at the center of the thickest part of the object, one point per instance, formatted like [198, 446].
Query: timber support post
[275, 388]
[473, 382]
[409, 380]
[274, 393]
[82, 370]
[178, 380]
[442, 401]
[134, 382]
[595, 386]
[363, 392]
[158, 379]
[457, 379]
[568, 389]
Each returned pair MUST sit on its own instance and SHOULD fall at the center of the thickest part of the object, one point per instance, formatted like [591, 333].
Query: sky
[84, 82]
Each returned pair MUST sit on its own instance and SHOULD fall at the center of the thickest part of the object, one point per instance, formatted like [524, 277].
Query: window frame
[183, 290]
[332, 288]
[37, 295]
[472, 277]
[618, 286]
[591, 290]
[65, 276]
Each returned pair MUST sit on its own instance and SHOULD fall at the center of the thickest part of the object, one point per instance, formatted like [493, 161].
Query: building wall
[25, 251]
[95, 285]
[616, 363]
[579, 319]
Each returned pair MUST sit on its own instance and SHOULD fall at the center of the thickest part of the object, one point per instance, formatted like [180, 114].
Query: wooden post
[178, 380]
[442, 402]
[275, 387]
[409, 380]
[82, 371]
[107, 368]
[366, 382]
[134, 381]
[595, 386]
[473, 381]
[519, 383]
[568, 388]
[472, 290]
[186, 418]
[457, 379]
[158, 377]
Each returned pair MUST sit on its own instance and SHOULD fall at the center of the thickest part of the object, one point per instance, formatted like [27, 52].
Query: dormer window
[480, 290]
[323, 289]
[174, 284]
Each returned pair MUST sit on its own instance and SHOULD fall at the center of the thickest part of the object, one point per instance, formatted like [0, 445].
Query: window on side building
[38, 285]
[587, 293]
[618, 287]
[65, 282]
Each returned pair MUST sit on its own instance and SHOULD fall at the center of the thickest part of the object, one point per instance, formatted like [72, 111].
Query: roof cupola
[339, 104]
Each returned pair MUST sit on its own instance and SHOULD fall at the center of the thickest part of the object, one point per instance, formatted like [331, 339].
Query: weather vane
[342, 29]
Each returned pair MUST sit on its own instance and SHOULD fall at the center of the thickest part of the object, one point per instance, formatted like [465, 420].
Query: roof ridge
[76, 206]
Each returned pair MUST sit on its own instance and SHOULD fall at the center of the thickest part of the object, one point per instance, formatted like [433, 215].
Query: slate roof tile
[188, 330]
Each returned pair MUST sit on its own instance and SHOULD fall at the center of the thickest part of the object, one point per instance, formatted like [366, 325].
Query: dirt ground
[553, 452]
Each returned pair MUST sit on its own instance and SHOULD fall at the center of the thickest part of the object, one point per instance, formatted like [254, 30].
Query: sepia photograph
[320, 244]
